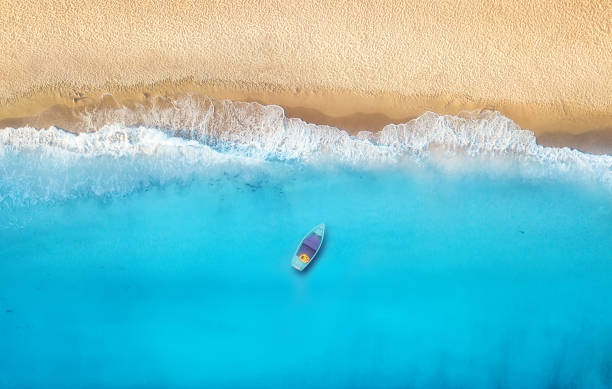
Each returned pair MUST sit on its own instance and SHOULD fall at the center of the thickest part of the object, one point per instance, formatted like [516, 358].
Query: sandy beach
[355, 65]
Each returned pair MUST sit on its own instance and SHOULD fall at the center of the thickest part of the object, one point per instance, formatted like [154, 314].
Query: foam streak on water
[143, 147]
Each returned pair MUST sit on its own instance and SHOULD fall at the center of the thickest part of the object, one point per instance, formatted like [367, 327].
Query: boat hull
[308, 248]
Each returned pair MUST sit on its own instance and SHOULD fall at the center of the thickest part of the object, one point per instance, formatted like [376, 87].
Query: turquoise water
[161, 268]
[424, 281]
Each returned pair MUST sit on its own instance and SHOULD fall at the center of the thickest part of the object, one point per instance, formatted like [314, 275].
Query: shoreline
[357, 65]
[554, 125]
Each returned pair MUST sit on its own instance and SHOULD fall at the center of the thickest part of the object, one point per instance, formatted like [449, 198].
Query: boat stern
[297, 264]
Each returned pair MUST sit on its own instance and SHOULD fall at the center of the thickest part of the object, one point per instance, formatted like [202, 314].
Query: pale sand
[357, 64]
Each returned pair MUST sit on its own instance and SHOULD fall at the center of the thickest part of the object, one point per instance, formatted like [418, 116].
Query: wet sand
[356, 65]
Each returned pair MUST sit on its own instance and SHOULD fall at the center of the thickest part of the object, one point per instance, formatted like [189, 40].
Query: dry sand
[354, 64]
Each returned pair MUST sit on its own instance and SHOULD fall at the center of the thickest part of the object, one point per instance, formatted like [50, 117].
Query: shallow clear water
[459, 253]
[426, 279]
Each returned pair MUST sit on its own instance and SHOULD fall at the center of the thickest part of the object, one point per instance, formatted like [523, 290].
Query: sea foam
[127, 149]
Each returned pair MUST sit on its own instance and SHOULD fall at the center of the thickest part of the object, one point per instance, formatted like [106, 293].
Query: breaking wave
[126, 149]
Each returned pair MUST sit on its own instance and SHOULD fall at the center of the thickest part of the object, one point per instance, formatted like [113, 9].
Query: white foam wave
[194, 136]
[51, 164]
[265, 132]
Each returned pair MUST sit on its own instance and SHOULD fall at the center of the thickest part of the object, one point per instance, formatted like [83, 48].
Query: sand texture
[356, 64]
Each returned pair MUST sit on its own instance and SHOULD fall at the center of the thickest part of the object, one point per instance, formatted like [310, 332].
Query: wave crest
[128, 148]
